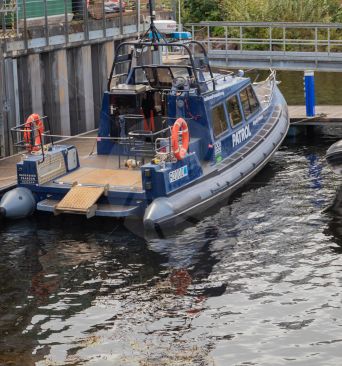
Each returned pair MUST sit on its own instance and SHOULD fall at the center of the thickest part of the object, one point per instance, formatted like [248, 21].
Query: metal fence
[284, 37]
[31, 24]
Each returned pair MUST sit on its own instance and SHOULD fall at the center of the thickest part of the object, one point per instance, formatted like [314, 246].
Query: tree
[263, 10]
[201, 10]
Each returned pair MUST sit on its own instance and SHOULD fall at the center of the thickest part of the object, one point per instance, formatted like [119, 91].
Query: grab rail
[25, 135]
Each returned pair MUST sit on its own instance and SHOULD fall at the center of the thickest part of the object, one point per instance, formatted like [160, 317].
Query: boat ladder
[81, 200]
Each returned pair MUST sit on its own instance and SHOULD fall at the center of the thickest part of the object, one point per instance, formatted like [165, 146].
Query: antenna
[156, 36]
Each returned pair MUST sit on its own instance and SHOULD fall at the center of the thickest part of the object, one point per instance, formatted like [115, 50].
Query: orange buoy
[33, 124]
[180, 150]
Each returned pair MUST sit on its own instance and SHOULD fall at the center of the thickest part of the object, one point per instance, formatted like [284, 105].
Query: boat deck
[100, 177]
[86, 147]
[8, 172]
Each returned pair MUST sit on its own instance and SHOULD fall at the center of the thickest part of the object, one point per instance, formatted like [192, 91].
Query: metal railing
[273, 36]
[294, 46]
[34, 24]
[265, 89]
[8, 16]
[33, 135]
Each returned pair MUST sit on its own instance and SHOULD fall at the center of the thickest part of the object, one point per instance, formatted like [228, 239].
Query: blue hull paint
[234, 129]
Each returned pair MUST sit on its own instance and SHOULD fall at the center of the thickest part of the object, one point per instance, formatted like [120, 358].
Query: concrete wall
[65, 84]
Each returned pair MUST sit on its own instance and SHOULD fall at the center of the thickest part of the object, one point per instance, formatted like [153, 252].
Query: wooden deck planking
[8, 171]
[113, 177]
[325, 114]
[80, 199]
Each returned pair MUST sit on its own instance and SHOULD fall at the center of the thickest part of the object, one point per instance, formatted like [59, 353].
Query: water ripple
[258, 282]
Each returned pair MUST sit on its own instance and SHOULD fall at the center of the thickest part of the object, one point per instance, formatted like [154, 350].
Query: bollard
[309, 92]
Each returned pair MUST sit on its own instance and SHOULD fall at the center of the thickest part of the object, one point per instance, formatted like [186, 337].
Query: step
[81, 200]
[105, 210]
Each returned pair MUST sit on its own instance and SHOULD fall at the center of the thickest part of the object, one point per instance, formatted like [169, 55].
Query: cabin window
[164, 77]
[234, 110]
[219, 120]
[249, 101]
[139, 76]
[150, 75]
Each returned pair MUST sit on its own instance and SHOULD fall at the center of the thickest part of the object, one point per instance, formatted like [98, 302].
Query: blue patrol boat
[174, 139]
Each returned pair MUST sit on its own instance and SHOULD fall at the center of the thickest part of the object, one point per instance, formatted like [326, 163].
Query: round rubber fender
[17, 203]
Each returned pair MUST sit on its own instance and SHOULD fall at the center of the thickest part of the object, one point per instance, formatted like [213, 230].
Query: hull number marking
[179, 173]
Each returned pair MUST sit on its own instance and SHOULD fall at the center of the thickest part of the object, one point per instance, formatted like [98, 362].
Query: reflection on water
[255, 282]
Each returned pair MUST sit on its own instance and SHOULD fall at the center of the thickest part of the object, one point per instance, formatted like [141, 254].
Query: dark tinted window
[249, 101]
[150, 76]
[234, 110]
[164, 77]
[219, 119]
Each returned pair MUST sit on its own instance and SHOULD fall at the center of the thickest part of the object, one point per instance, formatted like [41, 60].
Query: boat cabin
[139, 111]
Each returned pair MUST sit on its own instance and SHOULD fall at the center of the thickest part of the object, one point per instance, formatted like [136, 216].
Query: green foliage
[263, 10]
[199, 10]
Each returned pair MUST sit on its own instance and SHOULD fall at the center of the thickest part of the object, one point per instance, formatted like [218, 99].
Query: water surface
[256, 282]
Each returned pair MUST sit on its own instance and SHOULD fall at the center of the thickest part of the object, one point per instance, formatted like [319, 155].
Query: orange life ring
[180, 150]
[33, 124]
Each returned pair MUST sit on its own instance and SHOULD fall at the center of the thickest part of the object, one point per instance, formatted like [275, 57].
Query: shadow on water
[334, 228]
[59, 272]
[46, 256]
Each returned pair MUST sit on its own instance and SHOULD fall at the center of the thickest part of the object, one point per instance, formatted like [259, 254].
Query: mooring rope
[98, 138]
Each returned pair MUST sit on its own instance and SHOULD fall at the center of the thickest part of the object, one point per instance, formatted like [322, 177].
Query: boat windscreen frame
[141, 45]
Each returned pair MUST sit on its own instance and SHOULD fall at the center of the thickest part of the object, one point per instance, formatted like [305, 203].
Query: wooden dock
[325, 115]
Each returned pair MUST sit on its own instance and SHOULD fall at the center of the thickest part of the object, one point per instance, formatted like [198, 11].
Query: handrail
[151, 44]
[265, 24]
[32, 130]
[89, 21]
[271, 79]
[275, 37]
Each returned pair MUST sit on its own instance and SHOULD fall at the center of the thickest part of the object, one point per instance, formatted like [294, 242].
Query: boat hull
[334, 157]
[191, 202]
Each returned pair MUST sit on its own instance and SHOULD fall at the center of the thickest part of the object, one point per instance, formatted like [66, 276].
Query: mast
[155, 35]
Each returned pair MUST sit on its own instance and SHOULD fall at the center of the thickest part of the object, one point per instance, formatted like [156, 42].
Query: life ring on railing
[180, 150]
[34, 125]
